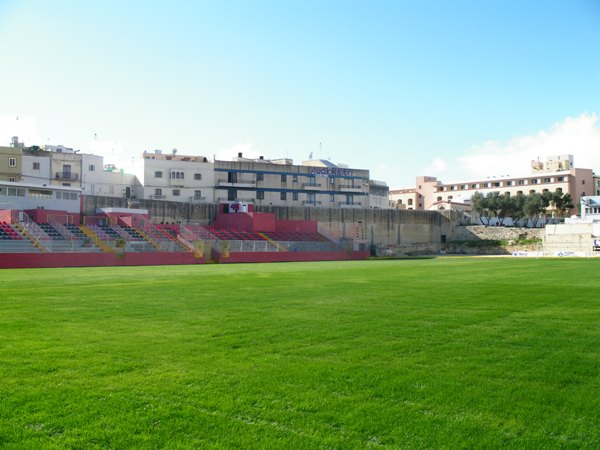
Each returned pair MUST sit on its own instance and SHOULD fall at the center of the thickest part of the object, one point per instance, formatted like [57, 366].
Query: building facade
[178, 178]
[568, 179]
[281, 183]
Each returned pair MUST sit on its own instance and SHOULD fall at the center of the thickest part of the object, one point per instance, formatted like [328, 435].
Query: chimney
[261, 157]
[239, 154]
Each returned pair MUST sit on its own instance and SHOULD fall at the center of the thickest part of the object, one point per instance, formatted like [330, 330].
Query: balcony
[311, 187]
[197, 199]
[245, 184]
[67, 176]
[158, 197]
[351, 188]
[309, 203]
[240, 199]
[350, 205]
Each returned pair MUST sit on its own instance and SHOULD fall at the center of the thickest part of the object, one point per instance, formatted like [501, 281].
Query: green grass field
[439, 353]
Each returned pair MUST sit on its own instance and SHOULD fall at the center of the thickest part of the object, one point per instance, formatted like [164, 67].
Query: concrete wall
[378, 229]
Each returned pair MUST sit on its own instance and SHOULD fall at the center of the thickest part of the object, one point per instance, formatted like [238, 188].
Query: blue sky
[452, 89]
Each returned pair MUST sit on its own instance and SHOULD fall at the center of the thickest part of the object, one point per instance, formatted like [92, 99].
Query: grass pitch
[443, 353]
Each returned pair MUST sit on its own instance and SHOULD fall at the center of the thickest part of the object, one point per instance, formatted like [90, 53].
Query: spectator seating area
[149, 237]
[8, 233]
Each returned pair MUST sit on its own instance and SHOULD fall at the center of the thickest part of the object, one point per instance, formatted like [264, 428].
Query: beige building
[65, 166]
[281, 183]
[557, 173]
[178, 178]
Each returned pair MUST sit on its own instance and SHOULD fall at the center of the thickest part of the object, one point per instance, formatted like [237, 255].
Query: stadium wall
[251, 257]
[47, 260]
[376, 227]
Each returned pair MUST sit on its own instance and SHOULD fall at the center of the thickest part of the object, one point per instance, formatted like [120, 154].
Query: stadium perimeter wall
[46, 260]
[378, 228]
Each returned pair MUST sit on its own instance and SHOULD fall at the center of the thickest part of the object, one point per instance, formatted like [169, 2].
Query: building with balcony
[65, 166]
[178, 178]
[11, 161]
[543, 177]
[280, 182]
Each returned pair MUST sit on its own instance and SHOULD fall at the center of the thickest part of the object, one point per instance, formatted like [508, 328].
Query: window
[332, 198]
[410, 201]
[532, 191]
[12, 179]
[535, 180]
[521, 182]
[176, 192]
[547, 180]
[283, 178]
[295, 196]
[15, 192]
[157, 191]
[197, 194]
[91, 168]
[12, 162]
[582, 181]
[260, 176]
[283, 196]
[36, 166]
[260, 195]
[496, 184]
[197, 176]
[311, 198]
[295, 179]
[473, 186]
[439, 199]
[561, 178]
[232, 178]
[232, 193]
[158, 174]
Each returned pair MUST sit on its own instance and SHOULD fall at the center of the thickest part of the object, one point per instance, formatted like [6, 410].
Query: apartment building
[281, 183]
[178, 178]
[195, 179]
[558, 172]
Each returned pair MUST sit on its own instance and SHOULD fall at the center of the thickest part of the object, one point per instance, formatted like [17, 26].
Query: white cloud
[578, 136]
[437, 167]
[25, 128]
[247, 150]
[114, 152]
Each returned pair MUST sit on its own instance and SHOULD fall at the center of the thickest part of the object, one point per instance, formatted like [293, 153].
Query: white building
[590, 208]
[105, 179]
[179, 178]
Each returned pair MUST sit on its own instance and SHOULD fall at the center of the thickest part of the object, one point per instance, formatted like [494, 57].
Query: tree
[505, 207]
[547, 199]
[516, 212]
[479, 203]
[532, 208]
[562, 203]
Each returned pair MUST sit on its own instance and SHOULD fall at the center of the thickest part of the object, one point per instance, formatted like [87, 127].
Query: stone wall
[384, 231]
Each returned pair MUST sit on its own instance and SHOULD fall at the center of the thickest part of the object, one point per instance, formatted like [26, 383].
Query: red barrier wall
[246, 221]
[31, 260]
[43, 215]
[262, 257]
[48, 260]
[6, 215]
[299, 226]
